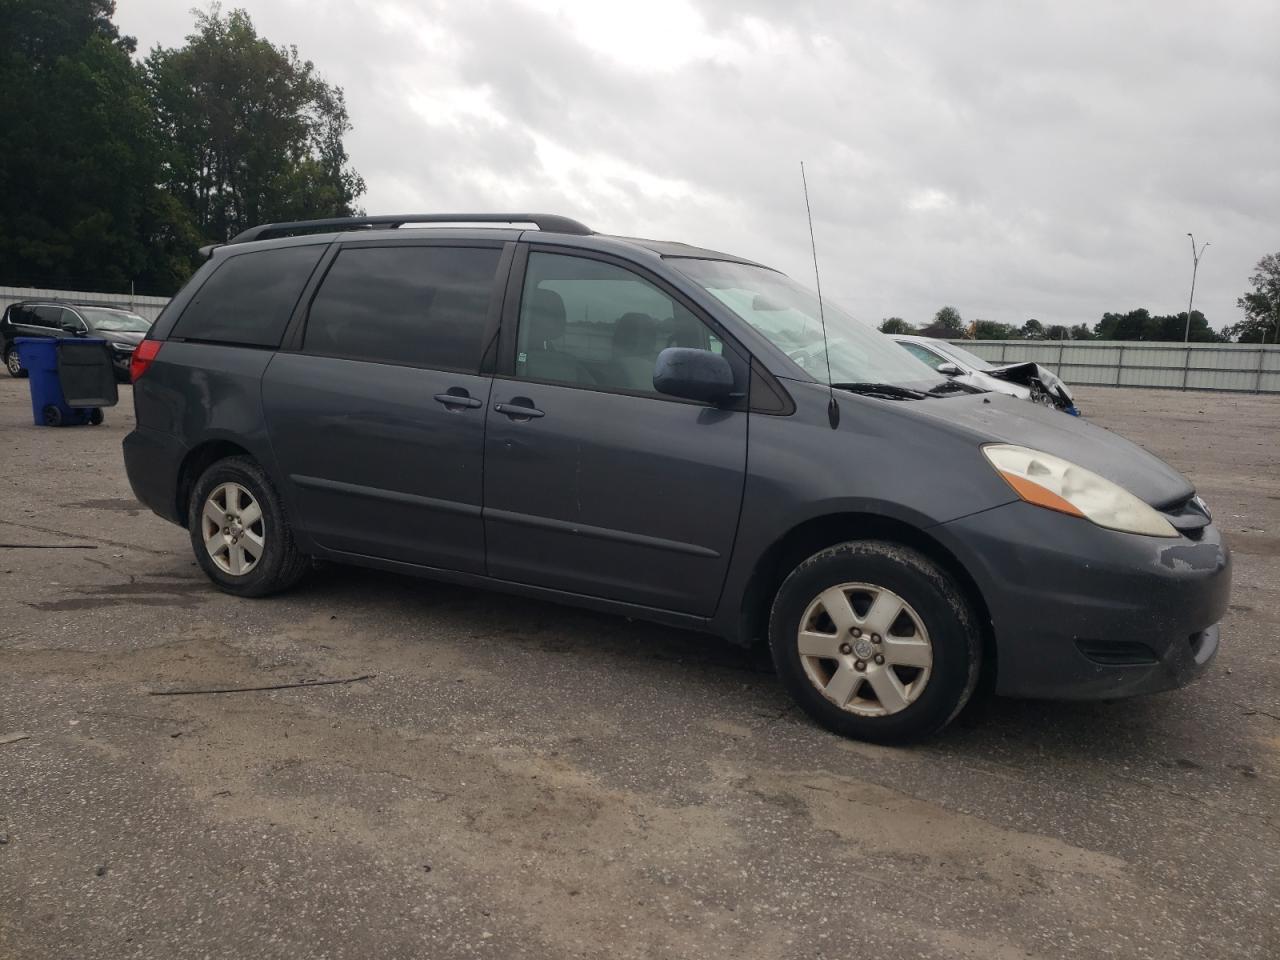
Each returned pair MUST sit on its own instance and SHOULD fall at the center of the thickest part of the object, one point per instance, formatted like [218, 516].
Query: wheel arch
[197, 460]
[817, 533]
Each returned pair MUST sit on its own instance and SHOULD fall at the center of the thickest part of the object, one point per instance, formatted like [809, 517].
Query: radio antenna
[833, 409]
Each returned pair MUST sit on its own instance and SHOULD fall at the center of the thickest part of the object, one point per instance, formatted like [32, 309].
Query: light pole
[1195, 265]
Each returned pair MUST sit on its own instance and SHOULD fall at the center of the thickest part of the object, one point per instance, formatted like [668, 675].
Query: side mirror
[949, 370]
[693, 375]
[72, 328]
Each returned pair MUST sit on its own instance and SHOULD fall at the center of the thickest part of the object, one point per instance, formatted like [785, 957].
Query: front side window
[789, 316]
[50, 317]
[592, 324]
[923, 354]
[419, 305]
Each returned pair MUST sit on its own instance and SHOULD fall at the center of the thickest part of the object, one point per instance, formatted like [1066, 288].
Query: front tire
[240, 532]
[875, 642]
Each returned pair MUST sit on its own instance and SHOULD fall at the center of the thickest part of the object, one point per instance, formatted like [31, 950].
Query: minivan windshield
[114, 321]
[787, 314]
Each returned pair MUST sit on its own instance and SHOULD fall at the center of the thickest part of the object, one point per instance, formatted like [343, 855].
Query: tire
[12, 363]
[932, 648]
[231, 487]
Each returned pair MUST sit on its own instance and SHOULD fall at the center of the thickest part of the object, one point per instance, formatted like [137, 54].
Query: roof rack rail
[76, 302]
[549, 222]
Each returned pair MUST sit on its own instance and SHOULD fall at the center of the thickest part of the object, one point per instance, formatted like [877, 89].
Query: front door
[594, 482]
[377, 418]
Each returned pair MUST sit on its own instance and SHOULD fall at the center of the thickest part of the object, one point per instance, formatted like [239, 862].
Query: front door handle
[520, 408]
[459, 399]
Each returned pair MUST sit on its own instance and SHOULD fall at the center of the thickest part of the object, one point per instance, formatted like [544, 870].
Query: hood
[986, 381]
[119, 336]
[1026, 373]
[996, 418]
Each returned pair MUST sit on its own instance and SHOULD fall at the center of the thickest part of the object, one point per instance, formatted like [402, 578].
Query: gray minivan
[661, 431]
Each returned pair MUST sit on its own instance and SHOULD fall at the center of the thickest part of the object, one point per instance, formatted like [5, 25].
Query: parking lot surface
[518, 779]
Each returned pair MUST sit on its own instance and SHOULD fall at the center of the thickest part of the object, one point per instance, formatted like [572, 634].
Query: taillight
[146, 351]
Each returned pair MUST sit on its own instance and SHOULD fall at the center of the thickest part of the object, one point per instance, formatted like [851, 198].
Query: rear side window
[421, 305]
[249, 298]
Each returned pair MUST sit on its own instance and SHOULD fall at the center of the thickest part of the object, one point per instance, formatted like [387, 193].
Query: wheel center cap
[863, 649]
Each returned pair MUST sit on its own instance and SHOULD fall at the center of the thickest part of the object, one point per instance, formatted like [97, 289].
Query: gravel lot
[520, 779]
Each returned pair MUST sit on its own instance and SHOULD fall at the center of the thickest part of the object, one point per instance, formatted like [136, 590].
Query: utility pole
[1195, 265]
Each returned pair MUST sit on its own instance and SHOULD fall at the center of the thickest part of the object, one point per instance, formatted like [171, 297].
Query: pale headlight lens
[1057, 484]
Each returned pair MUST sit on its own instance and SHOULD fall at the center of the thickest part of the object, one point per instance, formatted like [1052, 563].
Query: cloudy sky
[1015, 159]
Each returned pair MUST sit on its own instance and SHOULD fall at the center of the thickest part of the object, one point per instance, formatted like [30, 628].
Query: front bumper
[1080, 612]
[120, 364]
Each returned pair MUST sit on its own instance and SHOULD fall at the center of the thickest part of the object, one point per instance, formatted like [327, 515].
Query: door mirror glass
[693, 375]
[949, 370]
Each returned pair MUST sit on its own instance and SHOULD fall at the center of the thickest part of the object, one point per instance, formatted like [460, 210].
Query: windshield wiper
[949, 386]
[889, 390]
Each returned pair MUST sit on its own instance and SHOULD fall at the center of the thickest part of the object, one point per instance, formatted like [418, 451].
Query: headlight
[1049, 481]
[122, 347]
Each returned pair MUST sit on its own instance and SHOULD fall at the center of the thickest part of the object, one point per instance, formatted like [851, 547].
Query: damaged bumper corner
[1080, 612]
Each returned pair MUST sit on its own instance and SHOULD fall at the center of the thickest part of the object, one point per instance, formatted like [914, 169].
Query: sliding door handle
[520, 408]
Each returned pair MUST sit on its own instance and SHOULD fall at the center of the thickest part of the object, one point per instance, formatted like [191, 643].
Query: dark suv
[650, 429]
[122, 329]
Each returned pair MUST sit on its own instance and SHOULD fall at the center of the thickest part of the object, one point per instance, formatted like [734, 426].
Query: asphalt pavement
[519, 779]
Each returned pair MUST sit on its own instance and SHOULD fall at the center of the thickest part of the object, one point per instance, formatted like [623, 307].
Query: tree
[253, 134]
[896, 325]
[949, 319]
[1033, 329]
[79, 206]
[1140, 325]
[1057, 332]
[1261, 305]
[1081, 331]
[991, 330]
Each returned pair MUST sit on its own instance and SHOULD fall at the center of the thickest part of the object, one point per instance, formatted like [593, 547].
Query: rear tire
[875, 642]
[12, 363]
[240, 532]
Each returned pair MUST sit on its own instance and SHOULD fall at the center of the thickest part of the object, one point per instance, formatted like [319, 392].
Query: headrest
[636, 334]
[546, 317]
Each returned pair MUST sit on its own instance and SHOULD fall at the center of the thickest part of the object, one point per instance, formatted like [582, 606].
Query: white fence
[148, 307]
[1244, 367]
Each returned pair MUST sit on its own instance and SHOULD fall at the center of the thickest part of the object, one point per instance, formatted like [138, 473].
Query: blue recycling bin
[71, 379]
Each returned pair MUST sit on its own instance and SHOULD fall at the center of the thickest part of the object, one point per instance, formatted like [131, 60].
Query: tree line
[115, 170]
[1261, 323]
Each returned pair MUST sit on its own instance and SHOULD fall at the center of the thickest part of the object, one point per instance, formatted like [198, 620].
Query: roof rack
[66, 302]
[543, 221]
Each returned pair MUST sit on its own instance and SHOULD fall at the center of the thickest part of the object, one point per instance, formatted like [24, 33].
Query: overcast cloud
[1013, 159]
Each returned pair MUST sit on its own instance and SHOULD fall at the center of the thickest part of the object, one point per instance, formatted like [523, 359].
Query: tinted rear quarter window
[249, 298]
[420, 305]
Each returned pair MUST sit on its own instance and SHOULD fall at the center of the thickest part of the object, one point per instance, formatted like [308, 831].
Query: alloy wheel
[12, 362]
[865, 649]
[233, 529]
